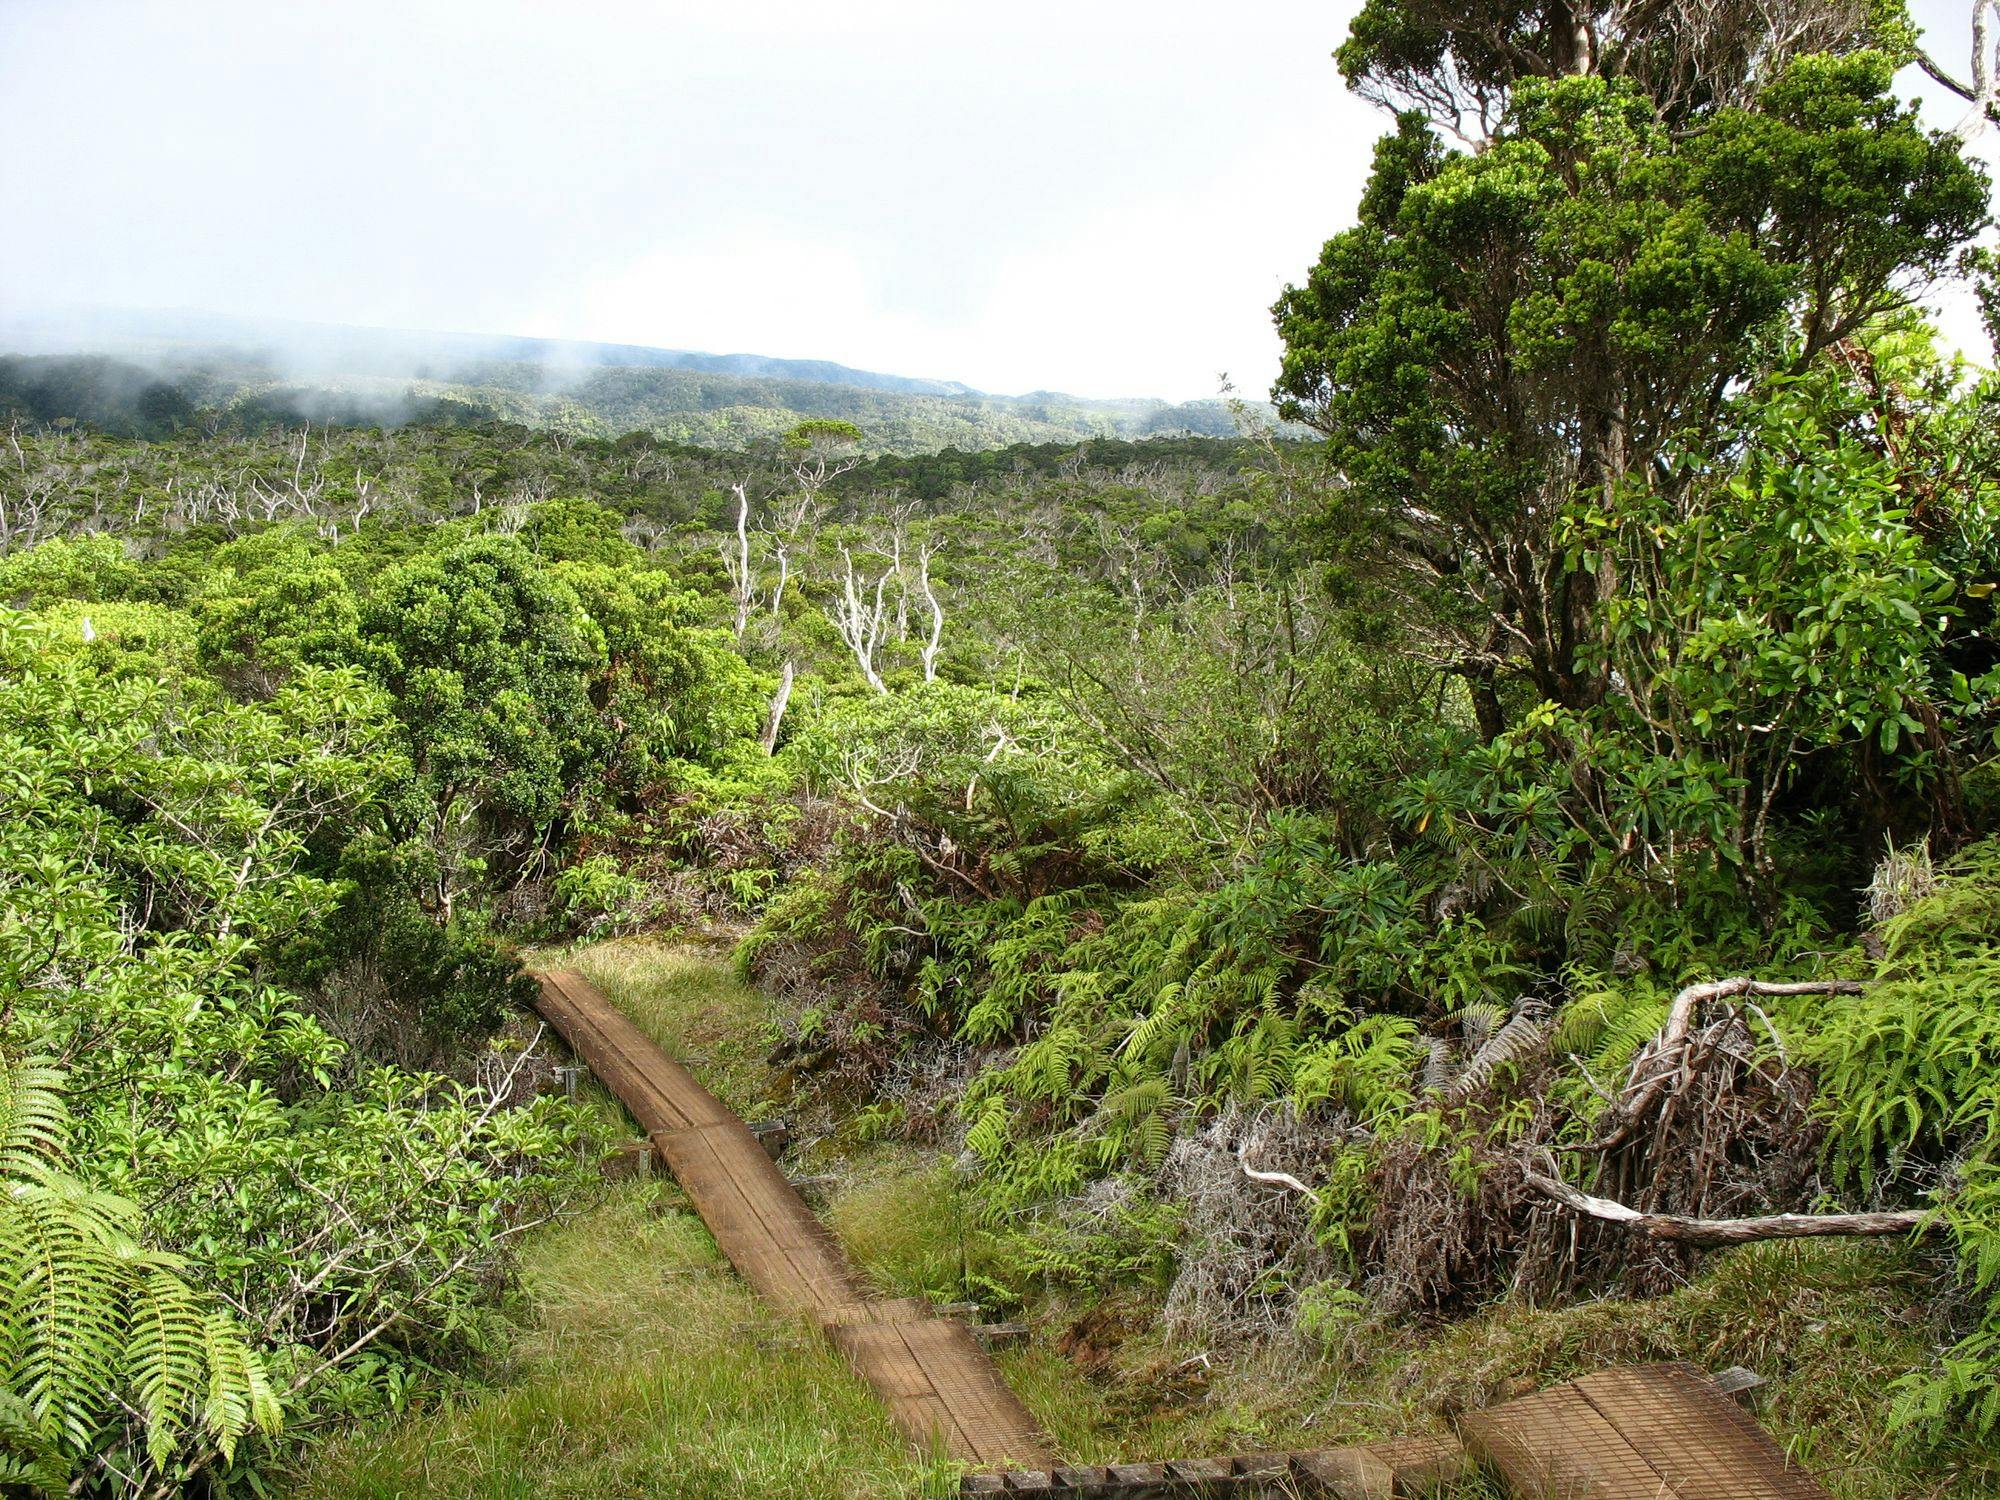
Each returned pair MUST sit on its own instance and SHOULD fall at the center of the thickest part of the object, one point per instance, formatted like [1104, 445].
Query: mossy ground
[642, 1367]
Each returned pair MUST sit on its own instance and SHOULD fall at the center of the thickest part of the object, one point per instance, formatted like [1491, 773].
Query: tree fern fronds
[240, 1396]
[169, 1352]
[1513, 1043]
[94, 1324]
[1441, 1065]
[62, 1285]
[1478, 1021]
[31, 1456]
[34, 1125]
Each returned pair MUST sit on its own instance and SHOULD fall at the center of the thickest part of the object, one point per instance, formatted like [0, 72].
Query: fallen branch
[1276, 1179]
[1713, 1233]
[1661, 1060]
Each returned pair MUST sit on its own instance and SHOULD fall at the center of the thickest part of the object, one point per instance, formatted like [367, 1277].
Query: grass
[647, 1369]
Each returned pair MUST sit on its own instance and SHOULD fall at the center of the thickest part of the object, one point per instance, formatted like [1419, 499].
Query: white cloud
[1103, 197]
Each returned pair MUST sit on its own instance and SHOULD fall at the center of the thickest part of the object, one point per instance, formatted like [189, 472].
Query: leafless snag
[929, 650]
[861, 614]
[776, 716]
[1982, 92]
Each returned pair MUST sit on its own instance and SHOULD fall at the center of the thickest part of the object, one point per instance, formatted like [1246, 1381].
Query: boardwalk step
[1363, 1473]
[1635, 1434]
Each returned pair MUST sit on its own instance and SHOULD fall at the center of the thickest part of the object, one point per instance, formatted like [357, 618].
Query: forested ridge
[1507, 884]
[158, 393]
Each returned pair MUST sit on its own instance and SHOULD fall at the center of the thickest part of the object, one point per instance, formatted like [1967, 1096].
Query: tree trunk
[776, 717]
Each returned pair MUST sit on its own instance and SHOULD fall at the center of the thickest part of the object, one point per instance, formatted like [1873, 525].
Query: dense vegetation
[1285, 875]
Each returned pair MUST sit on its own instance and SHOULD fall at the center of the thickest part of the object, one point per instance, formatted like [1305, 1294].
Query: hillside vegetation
[1396, 917]
[717, 405]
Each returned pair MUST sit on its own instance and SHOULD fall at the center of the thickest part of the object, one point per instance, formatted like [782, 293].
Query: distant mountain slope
[268, 370]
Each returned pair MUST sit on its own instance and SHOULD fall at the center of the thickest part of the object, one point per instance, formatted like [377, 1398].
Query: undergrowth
[647, 1370]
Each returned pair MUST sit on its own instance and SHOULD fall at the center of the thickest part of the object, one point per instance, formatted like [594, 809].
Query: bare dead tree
[742, 580]
[861, 616]
[29, 515]
[776, 717]
[815, 468]
[902, 587]
[644, 531]
[931, 644]
[1133, 566]
[1982, 91]
[781, 548]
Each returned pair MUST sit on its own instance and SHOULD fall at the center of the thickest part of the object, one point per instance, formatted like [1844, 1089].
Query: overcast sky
[1099, 196]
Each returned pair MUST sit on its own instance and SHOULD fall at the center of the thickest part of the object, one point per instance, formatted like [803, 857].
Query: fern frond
[31, 1456]
[34, 1124]
[169, 1353]
[92, 1322]
[1478, 1021]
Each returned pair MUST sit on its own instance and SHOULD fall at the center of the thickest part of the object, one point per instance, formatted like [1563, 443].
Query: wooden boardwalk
[1644, 1432]
[1373, 1471]
[938, 1383]
[1649, 1432]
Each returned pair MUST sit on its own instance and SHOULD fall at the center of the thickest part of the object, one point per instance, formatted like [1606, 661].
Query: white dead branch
[1715, 1233]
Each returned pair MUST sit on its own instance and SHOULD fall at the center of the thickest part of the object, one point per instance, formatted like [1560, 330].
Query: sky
[1096, 196]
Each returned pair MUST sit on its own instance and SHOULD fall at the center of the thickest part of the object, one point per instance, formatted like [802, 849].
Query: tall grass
[649, 1370]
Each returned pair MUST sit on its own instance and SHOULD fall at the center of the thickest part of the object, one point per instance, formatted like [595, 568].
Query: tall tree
[1662, 202]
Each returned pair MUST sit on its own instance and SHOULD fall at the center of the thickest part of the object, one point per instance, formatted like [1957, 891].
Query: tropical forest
[1268, 924]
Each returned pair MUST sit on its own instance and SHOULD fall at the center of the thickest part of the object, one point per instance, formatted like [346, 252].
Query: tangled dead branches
[1254, 1244]
[1710, 1122]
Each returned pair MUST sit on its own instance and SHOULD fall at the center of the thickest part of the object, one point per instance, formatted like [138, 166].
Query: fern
[1909, 1081]
[93, 1323]
[34, 1126]
[31, 1455]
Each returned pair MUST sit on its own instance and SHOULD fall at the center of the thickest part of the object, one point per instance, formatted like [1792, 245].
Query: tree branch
[1713, 1233]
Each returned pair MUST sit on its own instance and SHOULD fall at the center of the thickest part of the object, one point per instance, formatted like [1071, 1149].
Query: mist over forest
[151, 373]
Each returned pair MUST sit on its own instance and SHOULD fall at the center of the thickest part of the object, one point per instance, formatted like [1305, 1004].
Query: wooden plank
[1555, 1445]
[1202, 1477]
[1261, 1466]
[938, 1384]
[1704, 1445]
[1139, 1481]
[1357, 1473]
[877, 1353]
[1422, 1462]
[992, 1419]
[1346, 1474]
